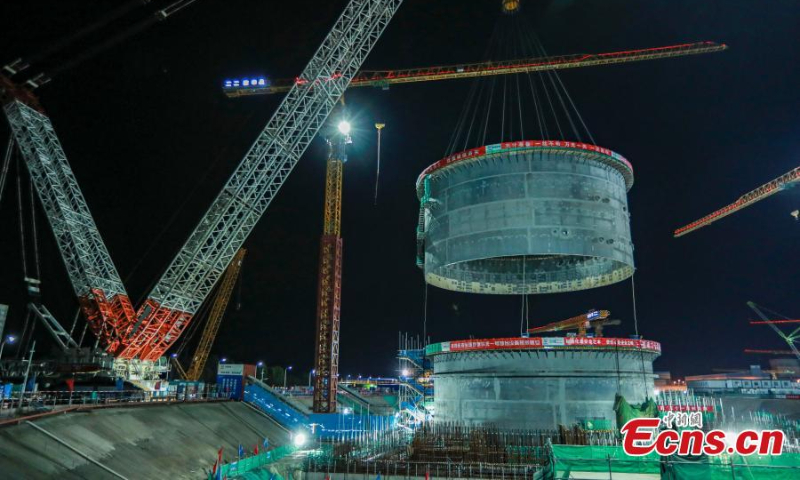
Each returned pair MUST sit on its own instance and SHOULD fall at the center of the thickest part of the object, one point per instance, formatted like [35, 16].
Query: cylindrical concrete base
[538, 388]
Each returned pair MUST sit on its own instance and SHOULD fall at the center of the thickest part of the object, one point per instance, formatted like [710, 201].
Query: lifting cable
[6, 166]
[83, 334]
[478, 82]
[201, 317]
[574, 107]
[538, 51]
[454, 137]
[34, 235]
[551, 75]
[26, 334]
[489, 101]
[519, 109]
[136, 28]
[488, 112]
[533, 39]
[554, 110]
[505, 53]
[619, 376]
[21, 217]
[240, 281]
[549, 100]
[633, 298]
[379, 127]
[636, 329]
[773, 312]
[474, 115]
[531, 83]
[178, 211]
[99, 47]
[22, 64]
[477, 86]
[515, 54]
[503, 110]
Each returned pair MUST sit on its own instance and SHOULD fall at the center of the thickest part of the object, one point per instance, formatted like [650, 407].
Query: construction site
[171, 308]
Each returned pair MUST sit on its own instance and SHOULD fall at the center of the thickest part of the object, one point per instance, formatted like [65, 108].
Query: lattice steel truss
[88, 263]
[787, 180]
[326, 356]
[265, 167]
[329, 290]
[221, 301]
[386, 78]
[92, 274]
[198, 266]
[333, 197]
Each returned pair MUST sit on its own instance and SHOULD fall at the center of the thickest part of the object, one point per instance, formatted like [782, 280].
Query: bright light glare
[405, 373]
[344, 127]
[299, 440]
[11, 339]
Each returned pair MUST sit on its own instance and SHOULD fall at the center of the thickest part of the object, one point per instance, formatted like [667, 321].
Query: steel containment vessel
[526, 217]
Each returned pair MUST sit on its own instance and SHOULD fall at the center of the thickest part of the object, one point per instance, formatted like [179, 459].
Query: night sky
[151, 140]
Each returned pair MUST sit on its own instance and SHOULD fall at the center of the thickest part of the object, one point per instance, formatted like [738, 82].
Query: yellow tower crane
[329, 290]
[221, 300]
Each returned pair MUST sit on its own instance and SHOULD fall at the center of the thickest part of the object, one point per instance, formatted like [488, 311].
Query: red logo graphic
[641, 436]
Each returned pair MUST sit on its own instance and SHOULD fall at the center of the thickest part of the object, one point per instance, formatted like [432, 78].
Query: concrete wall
[537, 389]
[165, 441]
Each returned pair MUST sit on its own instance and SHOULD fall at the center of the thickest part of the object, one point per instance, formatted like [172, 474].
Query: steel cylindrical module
[526, 217]
[539, 387]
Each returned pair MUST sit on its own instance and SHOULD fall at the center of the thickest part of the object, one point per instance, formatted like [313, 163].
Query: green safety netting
[570, 461]
[734, 467]
[625, 411]
[252, 464]
[567, 460]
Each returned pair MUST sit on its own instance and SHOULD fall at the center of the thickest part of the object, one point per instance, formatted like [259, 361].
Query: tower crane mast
[329, 290]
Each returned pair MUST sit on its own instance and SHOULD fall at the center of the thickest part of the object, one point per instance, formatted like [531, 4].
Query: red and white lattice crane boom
[146, 333]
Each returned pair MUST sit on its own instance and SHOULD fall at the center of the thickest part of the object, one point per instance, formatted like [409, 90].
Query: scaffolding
[415, 381]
